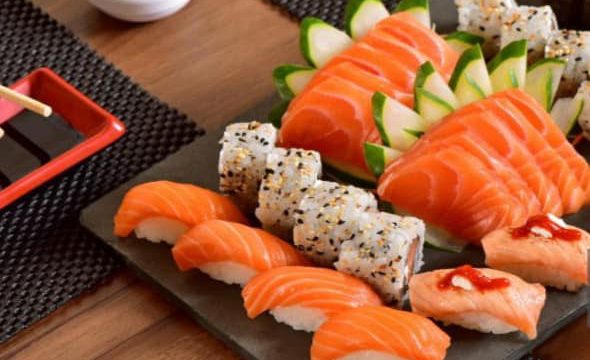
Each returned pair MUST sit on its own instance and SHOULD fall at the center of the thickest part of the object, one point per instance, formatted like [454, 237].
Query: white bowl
[139, 10]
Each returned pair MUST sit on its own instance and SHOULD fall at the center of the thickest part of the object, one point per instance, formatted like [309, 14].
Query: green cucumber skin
[549, 95]
[304, 44]
[378, 102]
[415, 133]
[280, 75]
[375, 158]
[465, 37]
[546, 61]
[549, 91]
[515, 49]
[421, 93]
[406, 5]
[352, 8]
[275, 116]
[348, 178]
[468, 56]
[424, 72]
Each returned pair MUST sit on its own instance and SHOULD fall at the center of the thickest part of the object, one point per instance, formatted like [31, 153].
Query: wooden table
[212, 61]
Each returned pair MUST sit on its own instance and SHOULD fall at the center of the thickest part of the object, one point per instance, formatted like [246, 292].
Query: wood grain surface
[212, 61]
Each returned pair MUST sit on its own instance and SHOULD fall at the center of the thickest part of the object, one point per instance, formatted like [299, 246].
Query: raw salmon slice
[515, 307]
[233, 252]
[379, 333]
[187, 204]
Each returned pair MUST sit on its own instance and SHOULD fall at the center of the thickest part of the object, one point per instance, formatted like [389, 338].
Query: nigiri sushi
[289, 173]
[304, 297]
[327, 216]
[161, 211]
[486, 300]
[379, 333]
[242, 161]
[232, 252]
[386, 252]
[545, 250]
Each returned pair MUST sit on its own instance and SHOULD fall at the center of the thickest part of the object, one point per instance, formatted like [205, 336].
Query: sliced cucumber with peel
[566, 112]
[543, 79]
[320, 41]
[346, 174]
[290, 80]
[438, 239]
[400, 127]
[434, 99]
[509, 67]
[471, 81]
[275, 116]
[461, 41]
[361, 16]
[420, 9]
[378, 157]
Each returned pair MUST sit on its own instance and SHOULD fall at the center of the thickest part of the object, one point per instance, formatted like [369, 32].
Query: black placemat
[46, 257]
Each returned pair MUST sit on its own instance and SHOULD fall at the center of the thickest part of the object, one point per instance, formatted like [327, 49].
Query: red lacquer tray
[98, 127]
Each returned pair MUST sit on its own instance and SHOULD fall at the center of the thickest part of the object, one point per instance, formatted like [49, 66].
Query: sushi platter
[432, 207]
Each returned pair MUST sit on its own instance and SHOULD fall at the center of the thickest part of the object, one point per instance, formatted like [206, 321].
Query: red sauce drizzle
[543, 221]
[476, 277]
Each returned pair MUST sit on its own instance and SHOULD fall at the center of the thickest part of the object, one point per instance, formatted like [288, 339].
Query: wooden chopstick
[25, 101]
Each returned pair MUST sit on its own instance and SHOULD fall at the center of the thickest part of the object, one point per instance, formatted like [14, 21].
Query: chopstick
[25, 101]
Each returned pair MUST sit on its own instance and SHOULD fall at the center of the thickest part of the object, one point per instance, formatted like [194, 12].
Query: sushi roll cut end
[537, 252]
[574, 47]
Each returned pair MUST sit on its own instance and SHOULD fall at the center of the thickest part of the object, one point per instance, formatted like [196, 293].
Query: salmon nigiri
[164, 210]
[486, 300]
[304, 297]
[379, 333]
[544, 250]
[232, 252]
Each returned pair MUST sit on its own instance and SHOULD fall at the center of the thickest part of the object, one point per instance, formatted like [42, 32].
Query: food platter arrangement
[412, 196]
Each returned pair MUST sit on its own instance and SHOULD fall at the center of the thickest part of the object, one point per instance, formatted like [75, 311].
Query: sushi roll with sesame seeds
[386, 252]
[288, 174]
[531, 23]
[244, 147]
[484, 18]
[327, 216]
[574, 47]
[580, 109]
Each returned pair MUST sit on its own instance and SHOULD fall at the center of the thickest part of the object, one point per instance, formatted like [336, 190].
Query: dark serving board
[218, 307]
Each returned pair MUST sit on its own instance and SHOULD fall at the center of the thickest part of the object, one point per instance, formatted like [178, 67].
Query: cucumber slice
[542, 80]
[471, 81]
[508, 68]
[461, 41]
[320, 41]
[347, 174]
[399, 126]
[438, 239]
[275, 116]
[361, 16]
[420, 9]
[566, 112]
[378, 157]
[434, 98]
[290, 80]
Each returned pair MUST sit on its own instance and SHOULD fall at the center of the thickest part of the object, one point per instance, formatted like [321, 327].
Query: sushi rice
[531, 23]
[289, 174]
[242, 161]
[327, 216]
[574, 47]
[386, 252]
[583, 94]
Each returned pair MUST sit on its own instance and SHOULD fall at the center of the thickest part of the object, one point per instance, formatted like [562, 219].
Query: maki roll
[242, 160]
[582, 100]
[531, 23]
[484, 18]
[574, 47]
[327, 216]
[386, 252]
[288, 174]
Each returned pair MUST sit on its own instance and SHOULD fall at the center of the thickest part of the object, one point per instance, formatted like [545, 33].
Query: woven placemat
[46, 257]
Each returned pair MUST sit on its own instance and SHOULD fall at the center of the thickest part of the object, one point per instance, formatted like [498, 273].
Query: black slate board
[218, 307]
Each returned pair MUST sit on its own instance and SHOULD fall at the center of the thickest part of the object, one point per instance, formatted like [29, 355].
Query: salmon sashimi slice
[499, 310]
[542, 121]
[407, 29]
[295, 294]
[381, 333]
[232, 252]
[453, 190]
[334, 118]
[164, 203]
[535, 258]
[550, 161]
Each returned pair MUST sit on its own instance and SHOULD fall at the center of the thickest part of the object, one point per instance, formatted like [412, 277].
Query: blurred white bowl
[139, 10]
